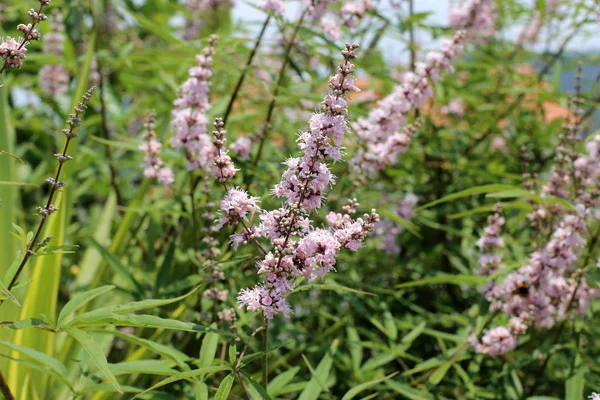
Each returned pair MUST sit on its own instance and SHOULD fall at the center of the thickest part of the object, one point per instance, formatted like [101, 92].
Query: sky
[439, 16]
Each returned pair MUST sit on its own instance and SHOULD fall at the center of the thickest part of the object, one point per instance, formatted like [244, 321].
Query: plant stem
[193, 206]
[265, 344]
[53, 189]
[5, 389]
[267, 123]
[114, 181]
[242, 77]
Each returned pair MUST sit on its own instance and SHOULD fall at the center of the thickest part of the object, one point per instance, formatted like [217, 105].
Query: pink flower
[496, 342]
[242, 147]
[299, 250]
[12, 52]
[153, 165]
[477, 17]
[276, 7]
[330, 28]
[382, 130]
[454, 107]
[189, 120]
[237, 206]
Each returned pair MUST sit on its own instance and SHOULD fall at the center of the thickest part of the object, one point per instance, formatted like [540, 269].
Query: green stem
[286, 59]
[265, 344]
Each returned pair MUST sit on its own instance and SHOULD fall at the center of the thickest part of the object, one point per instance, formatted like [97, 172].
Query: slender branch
[242, 77]
[265, 359]
[114, 180]
[267, 123]
[5, 389]
[45, 211]
[34, 22]
[239, 375]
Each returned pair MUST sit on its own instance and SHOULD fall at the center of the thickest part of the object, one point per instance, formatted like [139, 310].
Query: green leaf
[225, 388]
[95, 353]
[336, 287]
[320, 375]
[208, 349]
[80, 300]
[187, 375]
[575, 384]
[414, 333]
[406, 224]
[350, 394]
[277, 384]
[26, 323]
[118, 267]
[153, 367]
[132, 306]
[23, 184]
[166, 351]
[356, 350]
[140, 320]
[468, 192]
[446, 279]
[264, 395]
[440, 372]
[41, 359]
[8, 295]
[408, 392]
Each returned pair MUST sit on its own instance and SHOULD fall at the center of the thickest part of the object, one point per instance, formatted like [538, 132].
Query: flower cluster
[352, 13]
[189, 120]
[388, 231]
[13, 50]
[380, 131]
[194, 17]
[298, 248]
[154, 167]
[454, 107]
[54, 78]
[530, 33]
[277, 7]
[495, 342]
[242, 148]
[489, 260]
[543, 291]
[222, 166]
[478, 17]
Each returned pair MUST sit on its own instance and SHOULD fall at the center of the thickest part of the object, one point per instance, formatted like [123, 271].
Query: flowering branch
[12, 51]
[55, 184]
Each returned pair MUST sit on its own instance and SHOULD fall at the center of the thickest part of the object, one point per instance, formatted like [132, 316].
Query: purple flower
[496, 342]
[298, 249]
[189, 121]
[242, 147]
[382, 130]
[153, 165]
[276, 7]
[237, 206]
